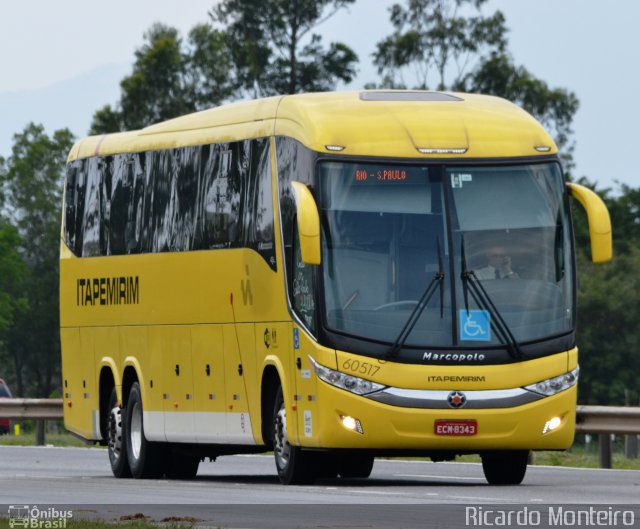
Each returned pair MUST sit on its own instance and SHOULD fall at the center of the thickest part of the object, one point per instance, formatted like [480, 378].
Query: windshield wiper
[438, 280]
[470, 283]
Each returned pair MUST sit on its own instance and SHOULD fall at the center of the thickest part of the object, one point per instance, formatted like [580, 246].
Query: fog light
[351, 423]
[551, 425]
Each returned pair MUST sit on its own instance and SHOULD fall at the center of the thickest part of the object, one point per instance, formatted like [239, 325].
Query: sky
[61, 61]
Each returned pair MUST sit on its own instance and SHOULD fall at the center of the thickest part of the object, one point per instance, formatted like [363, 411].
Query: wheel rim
[135, 433]
[281, 448]
[114, 434]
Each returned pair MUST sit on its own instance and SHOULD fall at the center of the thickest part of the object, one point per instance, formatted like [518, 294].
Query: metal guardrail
[590, 419]
[608, 419]
[602, 420]
[31, 409]
[40, 410]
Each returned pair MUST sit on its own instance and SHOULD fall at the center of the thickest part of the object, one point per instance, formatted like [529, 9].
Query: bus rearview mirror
[599, 222]
[308, 223]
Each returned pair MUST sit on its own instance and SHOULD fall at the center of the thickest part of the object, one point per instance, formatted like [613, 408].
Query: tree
[12, 301]
[169, 79]
[274, 50]
[608, 335]
[608, 304]
[468, 52]
[31, 181]
[263, 48]
[430, 35]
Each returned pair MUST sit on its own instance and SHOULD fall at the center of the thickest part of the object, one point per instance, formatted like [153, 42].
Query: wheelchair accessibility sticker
[475, 325]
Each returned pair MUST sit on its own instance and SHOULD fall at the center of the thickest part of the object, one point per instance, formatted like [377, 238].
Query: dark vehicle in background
[5, 393]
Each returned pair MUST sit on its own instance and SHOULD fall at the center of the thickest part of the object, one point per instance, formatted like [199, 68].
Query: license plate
[460, 427]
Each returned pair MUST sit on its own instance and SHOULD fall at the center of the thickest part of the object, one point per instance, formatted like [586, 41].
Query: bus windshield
[496, 238]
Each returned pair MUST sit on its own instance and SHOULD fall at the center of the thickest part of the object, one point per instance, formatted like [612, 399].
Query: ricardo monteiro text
[123, 290]
[553, 516]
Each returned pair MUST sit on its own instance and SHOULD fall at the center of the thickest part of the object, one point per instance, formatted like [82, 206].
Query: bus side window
[119, 201]
[71, 193]
[91, 221]
[258, 203]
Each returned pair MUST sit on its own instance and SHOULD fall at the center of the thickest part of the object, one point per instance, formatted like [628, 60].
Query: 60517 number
[362, 368]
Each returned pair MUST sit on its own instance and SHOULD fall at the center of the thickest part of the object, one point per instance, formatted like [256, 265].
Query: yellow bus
[332, 277]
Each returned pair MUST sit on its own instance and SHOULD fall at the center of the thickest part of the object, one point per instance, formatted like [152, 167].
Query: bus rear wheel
[294, 465]
[115, 439]
[145, 457]
[505, 468]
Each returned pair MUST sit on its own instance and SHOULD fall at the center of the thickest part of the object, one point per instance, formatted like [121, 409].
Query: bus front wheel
[145, 457]
[294, 465]
[356, 466]
[505, 468]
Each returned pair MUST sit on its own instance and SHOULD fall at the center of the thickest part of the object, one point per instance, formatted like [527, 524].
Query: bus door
[304, 425]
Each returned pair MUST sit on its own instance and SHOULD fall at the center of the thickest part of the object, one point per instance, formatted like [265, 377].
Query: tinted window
[192, 198]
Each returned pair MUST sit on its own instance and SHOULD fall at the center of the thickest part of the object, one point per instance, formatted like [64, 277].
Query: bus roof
[391, 123]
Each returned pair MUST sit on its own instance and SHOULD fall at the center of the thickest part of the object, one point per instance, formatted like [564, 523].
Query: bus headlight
[356, 385]
[554, 385]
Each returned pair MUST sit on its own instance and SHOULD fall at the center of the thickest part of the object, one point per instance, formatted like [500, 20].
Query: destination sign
[373, 174]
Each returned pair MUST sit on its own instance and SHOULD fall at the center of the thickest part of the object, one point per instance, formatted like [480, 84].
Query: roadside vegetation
[55, 435]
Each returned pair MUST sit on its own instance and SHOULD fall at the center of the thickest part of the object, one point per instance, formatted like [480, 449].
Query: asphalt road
[243, 491]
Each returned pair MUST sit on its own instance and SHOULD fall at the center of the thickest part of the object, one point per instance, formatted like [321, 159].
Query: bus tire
[294, 465]
[505, 468]
[145, 457]
[117, 447]
[356, 465]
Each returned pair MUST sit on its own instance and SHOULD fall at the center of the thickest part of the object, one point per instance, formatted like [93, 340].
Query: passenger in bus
[498, 265]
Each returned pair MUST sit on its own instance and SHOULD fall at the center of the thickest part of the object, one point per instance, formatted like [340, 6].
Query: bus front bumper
[346, 420]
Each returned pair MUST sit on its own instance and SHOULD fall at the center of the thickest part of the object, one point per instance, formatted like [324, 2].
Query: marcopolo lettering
[453, 357]
[122, 290]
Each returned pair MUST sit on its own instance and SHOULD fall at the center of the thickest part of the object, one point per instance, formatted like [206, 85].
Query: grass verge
[141, 523]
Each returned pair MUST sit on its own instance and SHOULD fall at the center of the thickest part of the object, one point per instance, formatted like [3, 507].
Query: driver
[498, 265]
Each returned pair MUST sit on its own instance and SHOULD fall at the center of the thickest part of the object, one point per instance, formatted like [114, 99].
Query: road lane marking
[439, 477]
[383, 492]
[478, 498]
